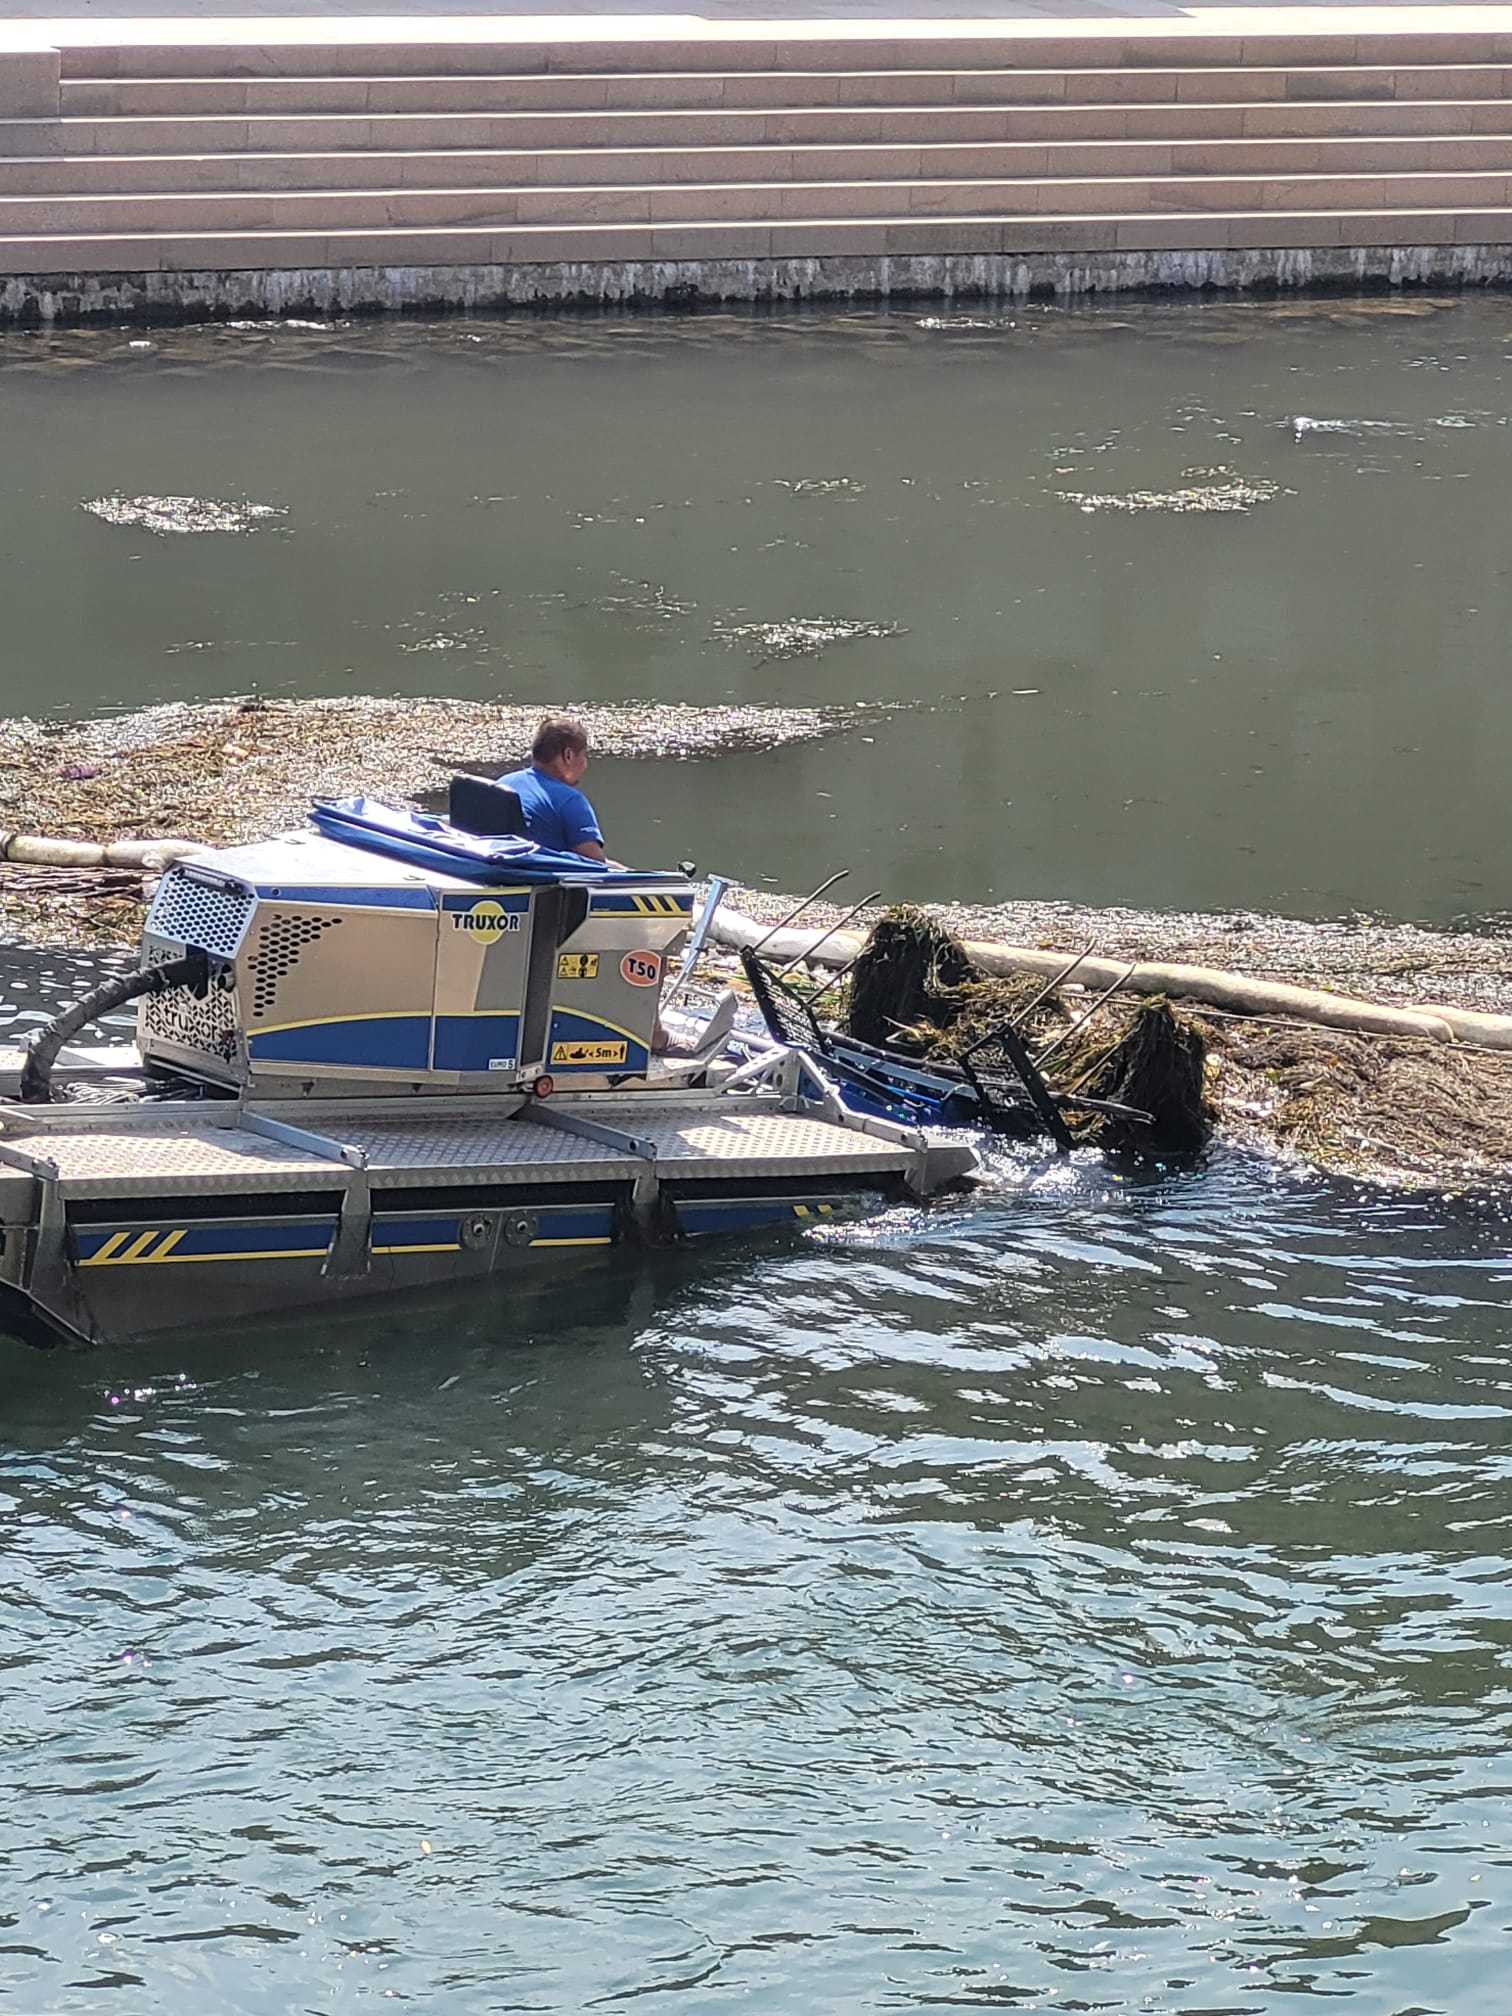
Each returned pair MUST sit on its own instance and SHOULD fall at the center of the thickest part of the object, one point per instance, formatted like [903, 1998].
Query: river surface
[1093, 1594]
[1299, 707]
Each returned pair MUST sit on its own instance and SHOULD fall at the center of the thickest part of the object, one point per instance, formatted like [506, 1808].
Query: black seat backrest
[477, 805]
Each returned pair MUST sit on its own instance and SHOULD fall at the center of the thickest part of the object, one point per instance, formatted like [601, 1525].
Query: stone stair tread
[212, 123]
[506, 75]
[397, 160]
[591, 189]
[401, 154]
[891, 108]
[569, 112]
[672, 207]
[1058, 219]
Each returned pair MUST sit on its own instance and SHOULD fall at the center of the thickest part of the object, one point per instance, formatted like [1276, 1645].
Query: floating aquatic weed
[165, 515]
[1215, 490]
[284, 322]
[1302, 424]
[440, 642]
[952, 322]
[642, 601]
[801, 636]
[822, 486]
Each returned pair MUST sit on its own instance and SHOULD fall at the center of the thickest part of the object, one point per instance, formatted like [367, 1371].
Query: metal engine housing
[339, 970]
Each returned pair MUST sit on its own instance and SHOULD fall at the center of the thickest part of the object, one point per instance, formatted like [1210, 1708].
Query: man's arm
[587, 836]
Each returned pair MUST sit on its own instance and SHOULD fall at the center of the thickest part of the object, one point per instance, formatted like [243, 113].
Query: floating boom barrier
[40, 850]
[1237, 993]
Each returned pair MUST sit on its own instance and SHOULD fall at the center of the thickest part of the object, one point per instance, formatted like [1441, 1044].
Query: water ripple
[1086, 1597]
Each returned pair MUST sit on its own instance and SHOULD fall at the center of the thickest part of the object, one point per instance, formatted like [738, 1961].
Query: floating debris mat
[169, 516]
[801, 636]
[1210, 491]
[236, 769]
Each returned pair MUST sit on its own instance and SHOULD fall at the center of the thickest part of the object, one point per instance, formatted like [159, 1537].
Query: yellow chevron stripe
[125, 1249]
[108, 1251]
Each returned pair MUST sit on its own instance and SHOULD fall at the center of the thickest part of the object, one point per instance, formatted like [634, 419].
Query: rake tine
[1067, 1034]
[839, 925]
[783, 922]
[1050, 985]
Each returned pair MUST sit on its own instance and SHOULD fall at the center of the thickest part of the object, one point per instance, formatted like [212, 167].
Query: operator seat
[478, 805]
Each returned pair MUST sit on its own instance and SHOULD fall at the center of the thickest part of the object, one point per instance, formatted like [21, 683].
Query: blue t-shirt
[557, 815]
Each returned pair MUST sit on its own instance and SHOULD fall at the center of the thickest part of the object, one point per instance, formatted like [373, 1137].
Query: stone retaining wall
[64, 299]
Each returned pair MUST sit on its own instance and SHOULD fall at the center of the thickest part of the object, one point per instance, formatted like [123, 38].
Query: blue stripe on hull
[416, 1235]
[376, 1042]
[476, 1042]
[575, 1225]
[394, 1237]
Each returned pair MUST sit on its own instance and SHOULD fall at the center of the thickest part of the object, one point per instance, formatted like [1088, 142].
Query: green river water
[1092, 1594]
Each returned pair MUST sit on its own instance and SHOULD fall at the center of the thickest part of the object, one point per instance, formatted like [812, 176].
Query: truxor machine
[391, 1051]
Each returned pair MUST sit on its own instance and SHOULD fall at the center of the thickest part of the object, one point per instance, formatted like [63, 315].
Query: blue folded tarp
[428, 840]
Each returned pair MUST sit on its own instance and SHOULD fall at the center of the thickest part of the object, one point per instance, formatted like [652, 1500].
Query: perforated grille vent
[205, 914]
[182, 1018]
[280, 942]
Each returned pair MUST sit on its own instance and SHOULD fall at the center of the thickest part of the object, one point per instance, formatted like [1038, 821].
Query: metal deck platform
[145, 1152]
[111, 1212]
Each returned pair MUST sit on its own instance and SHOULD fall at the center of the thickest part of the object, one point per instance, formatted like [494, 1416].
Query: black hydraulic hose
[191, 969]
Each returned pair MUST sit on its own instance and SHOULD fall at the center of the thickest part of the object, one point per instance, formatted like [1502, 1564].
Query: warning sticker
[641, 969]
[588, 1053]
[577, 966]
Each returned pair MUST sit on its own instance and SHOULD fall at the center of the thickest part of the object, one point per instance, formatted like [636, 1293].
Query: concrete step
[183, 98]
[756, 204]
[228, 174]
[200, 140]
[831, 125]
[778, 50]
[817, 237]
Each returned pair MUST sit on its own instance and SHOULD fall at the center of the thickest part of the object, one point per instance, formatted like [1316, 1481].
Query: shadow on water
[495, 1343]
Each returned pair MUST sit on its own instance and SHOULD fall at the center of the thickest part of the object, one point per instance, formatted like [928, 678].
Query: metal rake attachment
[995, 1086]
[999, 1069]
[787, 1015]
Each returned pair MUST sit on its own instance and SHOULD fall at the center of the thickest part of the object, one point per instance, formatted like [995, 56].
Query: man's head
[561, 749]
